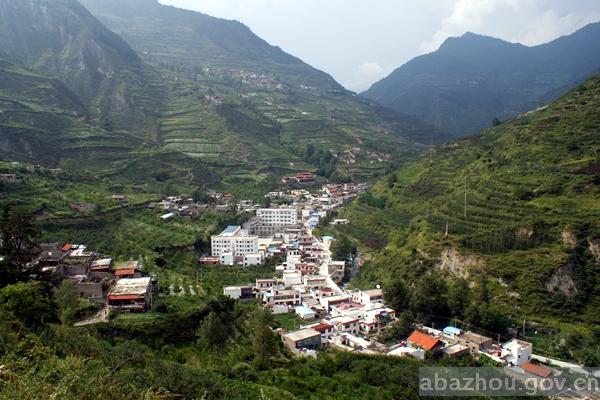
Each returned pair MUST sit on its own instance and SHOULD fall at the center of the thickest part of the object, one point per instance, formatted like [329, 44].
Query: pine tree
[212, 333]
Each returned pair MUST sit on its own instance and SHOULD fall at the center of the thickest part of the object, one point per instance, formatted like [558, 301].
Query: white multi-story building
[234, 240]
[278, 216]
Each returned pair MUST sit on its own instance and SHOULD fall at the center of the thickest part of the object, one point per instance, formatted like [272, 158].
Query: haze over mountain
[202, 88]
[473, 79]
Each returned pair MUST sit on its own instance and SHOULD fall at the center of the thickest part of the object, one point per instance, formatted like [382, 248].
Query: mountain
[473, 79]
[269, 98]
[202, 90]
[63, 39]
[514, 206]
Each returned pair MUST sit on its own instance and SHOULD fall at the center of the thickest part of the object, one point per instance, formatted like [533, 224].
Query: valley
[217, 164]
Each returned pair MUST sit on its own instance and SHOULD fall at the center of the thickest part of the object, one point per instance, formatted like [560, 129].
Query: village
[308, 283]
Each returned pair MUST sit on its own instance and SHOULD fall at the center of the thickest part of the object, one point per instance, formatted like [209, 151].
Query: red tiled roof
[124, 297]
[424, 340]
[67, 247]
[321, 326]
[536, 369]
[121, 272]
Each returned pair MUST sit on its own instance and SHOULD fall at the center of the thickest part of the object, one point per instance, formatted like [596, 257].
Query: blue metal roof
[230, 229]
[303, 310]
[452, 330]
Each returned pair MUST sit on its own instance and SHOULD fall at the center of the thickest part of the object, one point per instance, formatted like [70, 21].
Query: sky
[359, 42]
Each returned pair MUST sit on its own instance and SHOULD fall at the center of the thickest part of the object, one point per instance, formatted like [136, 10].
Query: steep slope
[34, 111]
[260, 83]
[63, 39]
[517, 204]
[43, 122]
[473, 79]
[272, 115]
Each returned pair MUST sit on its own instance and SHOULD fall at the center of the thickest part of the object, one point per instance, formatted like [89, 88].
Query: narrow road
[562, 364]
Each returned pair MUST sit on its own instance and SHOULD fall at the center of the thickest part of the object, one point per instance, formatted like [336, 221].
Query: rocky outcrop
[456, 264]
[595, 248]
[562, 281]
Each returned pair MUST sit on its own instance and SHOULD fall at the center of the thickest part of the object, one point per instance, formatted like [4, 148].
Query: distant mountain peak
[472, 79]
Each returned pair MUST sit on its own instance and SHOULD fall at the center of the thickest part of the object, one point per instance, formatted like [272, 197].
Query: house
[324, 328]
[377, 319]
[345, 324]
[81, 207]
[305, 268]
[266, 283]
[420, 339]
[234, 240]
[282, 297]
[305, 178]
[302, 339]
[368, 296]
[11, 178]
[305, 313]
[292, 278]
[121, 199]
[206, 260]
[127, 269]
[315, 281]
[404, 350]
[252, 259]
[456, 350]
[240, 293]
[516, 352]
[451, 334]
[475, 342]
[131, 294]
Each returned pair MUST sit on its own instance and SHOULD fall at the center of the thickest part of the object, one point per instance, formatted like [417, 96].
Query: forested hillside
[513, 210]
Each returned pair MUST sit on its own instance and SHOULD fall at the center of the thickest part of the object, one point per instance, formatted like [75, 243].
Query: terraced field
[521, 197]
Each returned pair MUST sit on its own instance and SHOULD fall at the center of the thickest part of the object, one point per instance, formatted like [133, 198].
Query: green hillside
[274, 105]
[472, 79]
[519, 203]
[204, 93]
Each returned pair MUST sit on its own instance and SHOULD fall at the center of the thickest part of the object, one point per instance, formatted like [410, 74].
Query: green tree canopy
[19, 228]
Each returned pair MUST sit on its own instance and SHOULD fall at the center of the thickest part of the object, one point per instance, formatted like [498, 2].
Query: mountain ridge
[474, 78]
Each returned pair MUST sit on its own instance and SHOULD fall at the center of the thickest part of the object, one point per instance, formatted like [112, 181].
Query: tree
[264, 339]
[211, 333]
[29, 302]
[19, 228]
[396, 294]
[459, 295]
[341, 248]
[68, 301]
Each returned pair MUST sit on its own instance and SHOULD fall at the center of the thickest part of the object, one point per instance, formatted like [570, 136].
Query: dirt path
[101, 316]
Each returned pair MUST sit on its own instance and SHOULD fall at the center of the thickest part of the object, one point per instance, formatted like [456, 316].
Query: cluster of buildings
[178, 206]
[119, 284]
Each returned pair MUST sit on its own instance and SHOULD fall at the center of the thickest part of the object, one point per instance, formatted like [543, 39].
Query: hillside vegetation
[472, 79]
[198, 96]
[514, 208]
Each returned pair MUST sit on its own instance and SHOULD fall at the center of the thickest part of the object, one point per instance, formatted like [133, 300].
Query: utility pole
[465, 199]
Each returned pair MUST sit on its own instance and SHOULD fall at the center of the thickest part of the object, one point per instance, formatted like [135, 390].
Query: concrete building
[282, 297]
[234, 240]
[131, 294]
[241, 293]
[368, 296]
[302, 339]
[305, 313]
[427, 342]
[283, 216]
[266, 283]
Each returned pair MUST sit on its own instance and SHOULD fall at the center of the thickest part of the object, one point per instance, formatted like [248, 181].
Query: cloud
[530, 22]
[365, 74]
